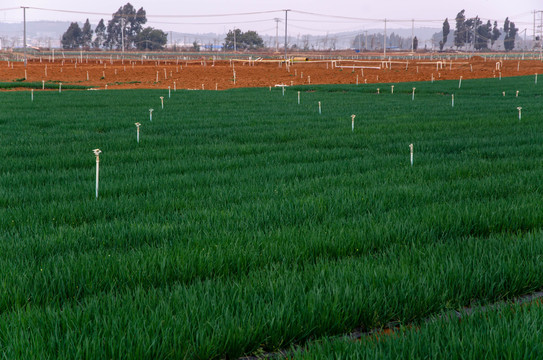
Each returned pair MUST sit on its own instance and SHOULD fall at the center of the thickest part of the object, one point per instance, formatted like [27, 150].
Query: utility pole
[235, 45]
[286, 32]
[277, 34]
[24, 31]
[385, 41]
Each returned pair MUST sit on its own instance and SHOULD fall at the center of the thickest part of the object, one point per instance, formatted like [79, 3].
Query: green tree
[446, 30]
[100, 32]
[460, 32]
[86, 35]
[151, 39]
[510, 34]
[484, 34]
[495, 34]
[415, 43]
[126, 20]
[71, 39]
[235, 39]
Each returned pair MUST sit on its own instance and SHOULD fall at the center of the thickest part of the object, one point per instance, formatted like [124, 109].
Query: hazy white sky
[520, 11]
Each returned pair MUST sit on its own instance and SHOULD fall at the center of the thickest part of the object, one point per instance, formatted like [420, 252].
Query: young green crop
[244, 221]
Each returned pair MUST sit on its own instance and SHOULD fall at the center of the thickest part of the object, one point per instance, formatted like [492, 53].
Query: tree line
[473, 31]
[124, 28]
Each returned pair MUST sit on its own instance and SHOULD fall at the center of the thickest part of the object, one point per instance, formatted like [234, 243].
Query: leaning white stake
[151, 114]
[460, 82]
[413, 94]
[97, 152]
[320, 112]
[138, 132]
[519, 112]
[162, 101]
[352, 118]
[516, 94]
[411, 150]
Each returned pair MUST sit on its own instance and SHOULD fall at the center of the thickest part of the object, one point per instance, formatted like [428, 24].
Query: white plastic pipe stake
[503, 93]
[460, 82]
[320, 112]
[138, 132]
[298, 98]
[516, 94]
[162, 101]
[31, 94]
[377, 90]
[309, 80]
[519, 112]
[169, 92]
[413, 94]
[392, 89]
[352, 118]
[452, 100]
[536, 78]
[150, 114]
[174, 87]
[411, 150]
[43, 84]
[283, 89]
[59, 88]
[97, 153]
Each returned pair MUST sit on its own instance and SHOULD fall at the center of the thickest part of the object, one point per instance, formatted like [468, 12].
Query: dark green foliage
[446, 29]
[484, 34]
[72, 38]
[101, 35]
[86, 35]
[495, 34]
[510, 34]
[151, 39]
[131, 20]
[236, 39]
[244, 222]
[460, 32]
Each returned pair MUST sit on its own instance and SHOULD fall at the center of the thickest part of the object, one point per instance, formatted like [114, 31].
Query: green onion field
[243, 223]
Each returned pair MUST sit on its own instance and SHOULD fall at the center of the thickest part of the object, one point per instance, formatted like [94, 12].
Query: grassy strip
[243, 221]
[510, 332]
[38, 85]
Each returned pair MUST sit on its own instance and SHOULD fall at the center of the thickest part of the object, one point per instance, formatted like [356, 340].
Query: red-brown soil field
[209, 75]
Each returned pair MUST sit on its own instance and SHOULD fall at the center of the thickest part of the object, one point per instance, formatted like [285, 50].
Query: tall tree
[71, 39]
[484, 34]
[86, 35]
[495, 34]
[460, 32]
[242, 40]
[128, 21]
[151, 39]
[510, 34]
[446, 30]
[100, 32]
[415, 43]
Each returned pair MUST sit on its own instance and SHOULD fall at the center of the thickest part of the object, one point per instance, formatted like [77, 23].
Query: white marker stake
[503, 92]
[87, 76]
[320, 112]
[162, 101]
[157, 76]
[97, 152]
[59, 88]
[25, 75]
[298, 98]
[460, 82]
[283, 89]
[536, 78]
[516, 94]
[43, 84]
[138, 132]
[500, 75]
[356, 80]
[31, 94]
[413, 94]
[392, 89]
[352, 118]
[377, 90]
[150, 114]
[452, 100]
[519, 112]
[169, 92]
[309, 80]
[411, 150]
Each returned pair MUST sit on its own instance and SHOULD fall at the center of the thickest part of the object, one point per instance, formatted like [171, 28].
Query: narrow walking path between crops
[393, 326]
